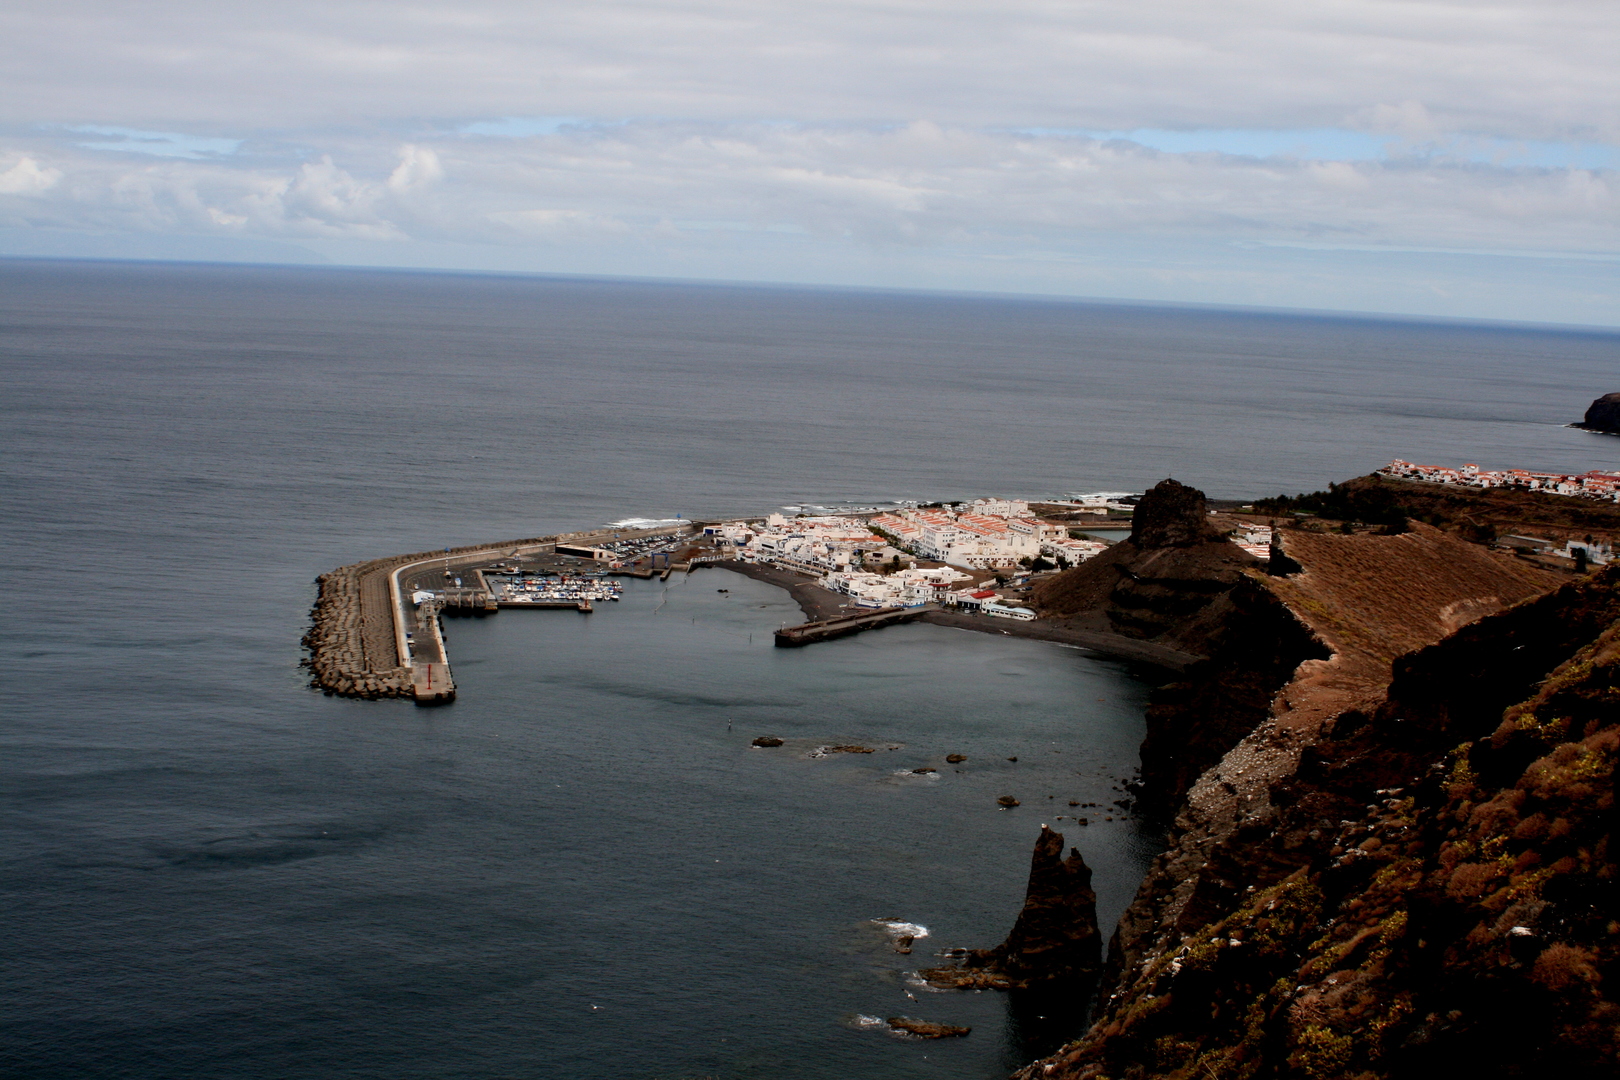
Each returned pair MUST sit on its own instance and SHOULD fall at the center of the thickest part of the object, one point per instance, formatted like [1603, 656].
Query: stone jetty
[792, 637]
[356, 643]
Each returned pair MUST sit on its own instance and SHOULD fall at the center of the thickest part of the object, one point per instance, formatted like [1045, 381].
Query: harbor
[520, 590]
[376, 630]
[378, 627]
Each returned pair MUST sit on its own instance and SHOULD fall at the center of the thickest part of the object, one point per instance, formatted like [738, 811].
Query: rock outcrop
[1171, 515]
[1603, 415]
[1179, 583]
[1430, 888]
[1166, 584]
[925, 1029]
[1055, 939]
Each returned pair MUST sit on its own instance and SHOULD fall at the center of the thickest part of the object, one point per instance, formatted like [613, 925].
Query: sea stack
[1055, 939]
[1603, 415]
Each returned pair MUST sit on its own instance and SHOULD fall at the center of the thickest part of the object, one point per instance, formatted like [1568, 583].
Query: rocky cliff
[1392, 855]
[1603, 415]
[1179, 583]
[1428, 888]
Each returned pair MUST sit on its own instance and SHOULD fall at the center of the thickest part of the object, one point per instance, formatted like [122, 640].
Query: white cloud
[1536, 69]
[1015, 132]
[418, 167]
[26, 177]
[917, 184]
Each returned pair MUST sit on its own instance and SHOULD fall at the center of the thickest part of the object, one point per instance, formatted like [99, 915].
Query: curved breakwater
[354, 641]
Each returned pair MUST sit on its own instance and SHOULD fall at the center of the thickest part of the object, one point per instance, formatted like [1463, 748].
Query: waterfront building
[1597, 484]
[1005, 611]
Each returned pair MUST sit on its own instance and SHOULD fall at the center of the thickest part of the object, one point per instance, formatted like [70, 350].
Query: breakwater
[368, 639]
[791, 637]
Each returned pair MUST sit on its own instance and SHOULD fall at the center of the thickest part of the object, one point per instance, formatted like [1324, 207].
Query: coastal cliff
[1404, 867]
[1430, 889]
[1603, 415]
[1178, 582]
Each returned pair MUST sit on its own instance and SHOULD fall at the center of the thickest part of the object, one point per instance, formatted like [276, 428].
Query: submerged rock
[955, 759]
[767, 740]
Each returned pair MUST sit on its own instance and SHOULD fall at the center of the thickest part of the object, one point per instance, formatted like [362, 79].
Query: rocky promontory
[1178, 583]
[1430, 888]
[1603, 415]
[1390, 851]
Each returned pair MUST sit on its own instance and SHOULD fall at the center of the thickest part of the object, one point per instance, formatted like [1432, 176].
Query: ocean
[581, 869]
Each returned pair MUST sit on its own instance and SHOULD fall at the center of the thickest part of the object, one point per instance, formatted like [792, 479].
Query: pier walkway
[791, 637]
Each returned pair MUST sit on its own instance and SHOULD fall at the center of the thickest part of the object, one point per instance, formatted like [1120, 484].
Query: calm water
[580, 869]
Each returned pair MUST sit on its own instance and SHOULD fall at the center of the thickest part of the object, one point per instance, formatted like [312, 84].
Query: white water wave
[645, 523]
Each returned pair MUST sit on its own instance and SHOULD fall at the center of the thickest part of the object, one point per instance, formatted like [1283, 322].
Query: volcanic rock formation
[1603, 415]
[1430, 888]
[1055, 938]
[1171, 515]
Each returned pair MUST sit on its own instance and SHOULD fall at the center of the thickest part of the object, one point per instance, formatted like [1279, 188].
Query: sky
[1455, 159]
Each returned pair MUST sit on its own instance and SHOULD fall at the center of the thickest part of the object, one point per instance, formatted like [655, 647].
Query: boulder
[956, 759]
[1007, 802]
[767, 740]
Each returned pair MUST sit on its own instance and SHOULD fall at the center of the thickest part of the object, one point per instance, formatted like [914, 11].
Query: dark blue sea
[580, 869]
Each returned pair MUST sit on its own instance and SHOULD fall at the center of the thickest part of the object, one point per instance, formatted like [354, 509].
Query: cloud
[156, 143]
[921, 184]
[26, 177]
[1019, 132]
[418, 167]
[1525, 69]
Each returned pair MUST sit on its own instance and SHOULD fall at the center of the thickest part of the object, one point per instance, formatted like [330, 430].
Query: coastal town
[855, 568]
[1604, 486]
[964, 556]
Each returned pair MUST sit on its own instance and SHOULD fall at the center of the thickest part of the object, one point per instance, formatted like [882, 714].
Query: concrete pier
[431, 684]
[791, 637]
[366, 638]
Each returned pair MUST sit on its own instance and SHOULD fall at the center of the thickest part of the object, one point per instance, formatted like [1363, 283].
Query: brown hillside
[1371, 598]
[1433, 891]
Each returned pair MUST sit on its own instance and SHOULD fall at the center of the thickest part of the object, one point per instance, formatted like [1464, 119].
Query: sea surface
[581, 869]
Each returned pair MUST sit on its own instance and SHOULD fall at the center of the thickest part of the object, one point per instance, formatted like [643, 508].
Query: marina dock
[792, 637]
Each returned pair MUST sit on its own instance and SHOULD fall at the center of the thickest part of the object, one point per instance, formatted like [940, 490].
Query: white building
[1004, 611]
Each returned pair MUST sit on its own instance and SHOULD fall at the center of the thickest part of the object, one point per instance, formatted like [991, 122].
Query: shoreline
[817, 603]
[359, 643]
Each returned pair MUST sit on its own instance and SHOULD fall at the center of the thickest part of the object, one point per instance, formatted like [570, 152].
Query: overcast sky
[1381, 155]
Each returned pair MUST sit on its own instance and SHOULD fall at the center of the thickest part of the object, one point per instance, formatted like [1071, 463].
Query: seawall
[355, 645]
